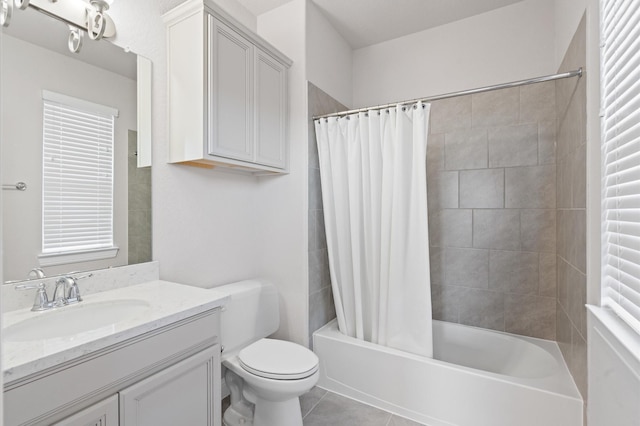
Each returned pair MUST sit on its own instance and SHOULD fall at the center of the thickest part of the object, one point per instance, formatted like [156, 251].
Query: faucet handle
[41, 302]
[29, 286]
[79, 277]
[74, 291]
[82, 277]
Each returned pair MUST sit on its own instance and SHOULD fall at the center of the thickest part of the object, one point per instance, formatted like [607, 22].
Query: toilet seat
[278, 359]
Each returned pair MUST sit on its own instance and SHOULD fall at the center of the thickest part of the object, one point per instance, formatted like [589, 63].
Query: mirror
[35, 58]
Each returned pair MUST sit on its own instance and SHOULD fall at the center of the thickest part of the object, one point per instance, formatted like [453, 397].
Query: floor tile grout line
[316, 404]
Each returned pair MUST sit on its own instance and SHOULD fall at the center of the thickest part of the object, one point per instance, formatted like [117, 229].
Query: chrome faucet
[66, 292]
[60, 298]
[70, 291]
[41, 302]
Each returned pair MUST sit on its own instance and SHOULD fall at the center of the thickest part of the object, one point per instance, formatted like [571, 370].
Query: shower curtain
[374, 190]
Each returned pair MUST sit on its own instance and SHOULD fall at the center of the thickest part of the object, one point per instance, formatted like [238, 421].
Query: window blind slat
[620, 58]
[77, 177]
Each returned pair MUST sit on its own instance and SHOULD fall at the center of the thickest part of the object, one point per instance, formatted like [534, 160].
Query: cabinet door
[230, 93]
[187, 393]
[104, 413]
[270, 111]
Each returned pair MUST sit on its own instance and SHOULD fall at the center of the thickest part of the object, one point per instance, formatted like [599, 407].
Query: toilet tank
[251, 313]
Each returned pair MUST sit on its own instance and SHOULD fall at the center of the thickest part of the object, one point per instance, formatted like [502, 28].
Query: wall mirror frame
[35, 58]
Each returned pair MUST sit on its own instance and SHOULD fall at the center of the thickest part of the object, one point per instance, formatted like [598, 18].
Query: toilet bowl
[265, 376]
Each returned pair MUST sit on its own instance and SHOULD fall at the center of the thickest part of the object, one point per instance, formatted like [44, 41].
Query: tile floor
[322, 408]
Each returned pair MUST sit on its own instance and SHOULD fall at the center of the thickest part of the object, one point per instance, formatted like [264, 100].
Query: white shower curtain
[374, 190]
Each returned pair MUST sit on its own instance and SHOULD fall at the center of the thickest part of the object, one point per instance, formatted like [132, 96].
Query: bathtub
[478, 377]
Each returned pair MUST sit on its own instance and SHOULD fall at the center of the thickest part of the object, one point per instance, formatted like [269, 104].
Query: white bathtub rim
[328, 330]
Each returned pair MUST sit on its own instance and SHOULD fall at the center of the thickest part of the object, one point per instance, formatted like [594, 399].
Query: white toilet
[265, 376]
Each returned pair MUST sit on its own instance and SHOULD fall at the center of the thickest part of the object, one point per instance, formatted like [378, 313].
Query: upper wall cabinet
[227, 93]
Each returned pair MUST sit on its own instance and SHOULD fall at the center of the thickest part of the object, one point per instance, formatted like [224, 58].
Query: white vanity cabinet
[179, 395]
[227, 93]
[165, 377]
[104, 413]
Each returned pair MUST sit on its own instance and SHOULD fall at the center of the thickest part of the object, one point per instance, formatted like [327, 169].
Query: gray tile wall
[492, 219]
[321, 307]
[571, 213]
[139, 228]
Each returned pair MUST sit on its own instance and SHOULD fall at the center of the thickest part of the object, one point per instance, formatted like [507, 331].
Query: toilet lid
[278, 359]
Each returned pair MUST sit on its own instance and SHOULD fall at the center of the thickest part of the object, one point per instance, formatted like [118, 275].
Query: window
[621, 158]
[77, 180]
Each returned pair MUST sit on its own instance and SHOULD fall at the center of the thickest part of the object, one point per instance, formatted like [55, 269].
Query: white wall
[511, 43]
[203, 220]
[212, 227]
[567, 15]
[329, 57]
[281, 225]
[27, 70]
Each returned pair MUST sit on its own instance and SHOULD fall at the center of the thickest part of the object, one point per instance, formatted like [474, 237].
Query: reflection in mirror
[100, 79]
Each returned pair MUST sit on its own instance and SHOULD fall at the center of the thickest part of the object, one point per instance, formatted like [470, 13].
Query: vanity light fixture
[82, 17]
[97, 21]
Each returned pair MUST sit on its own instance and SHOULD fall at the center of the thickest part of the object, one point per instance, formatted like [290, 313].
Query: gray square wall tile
[563, 331]
[538, 102]
[512, 146]
[547, 272]
[450, 227]
[579, 177]
[538, 230]
[315, 190]
[482, 188]
[482, 308]
[563, 187]
[466, 267]
[547, 142]
[496, 229]
[530, 187]
[572, 121]
[442, 190]
[530, 315]
[498, 108]
[578, 362]
[563, 271]
[466, 149]
[321, 309]
[576, 298]
[435, 153]
[514, 272]
[436, 265]
[319, 275]
[574, 226]
[445, 302]
[451, 114]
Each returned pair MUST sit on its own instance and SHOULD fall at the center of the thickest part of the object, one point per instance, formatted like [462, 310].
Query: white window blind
[621, 157]
[77, 198]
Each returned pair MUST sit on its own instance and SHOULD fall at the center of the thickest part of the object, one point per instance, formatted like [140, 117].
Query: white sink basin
[73, 320]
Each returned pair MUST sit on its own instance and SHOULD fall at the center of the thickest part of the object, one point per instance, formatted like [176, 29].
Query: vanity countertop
[164, 303]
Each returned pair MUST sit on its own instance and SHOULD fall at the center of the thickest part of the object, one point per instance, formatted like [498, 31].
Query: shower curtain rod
[560, 76]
